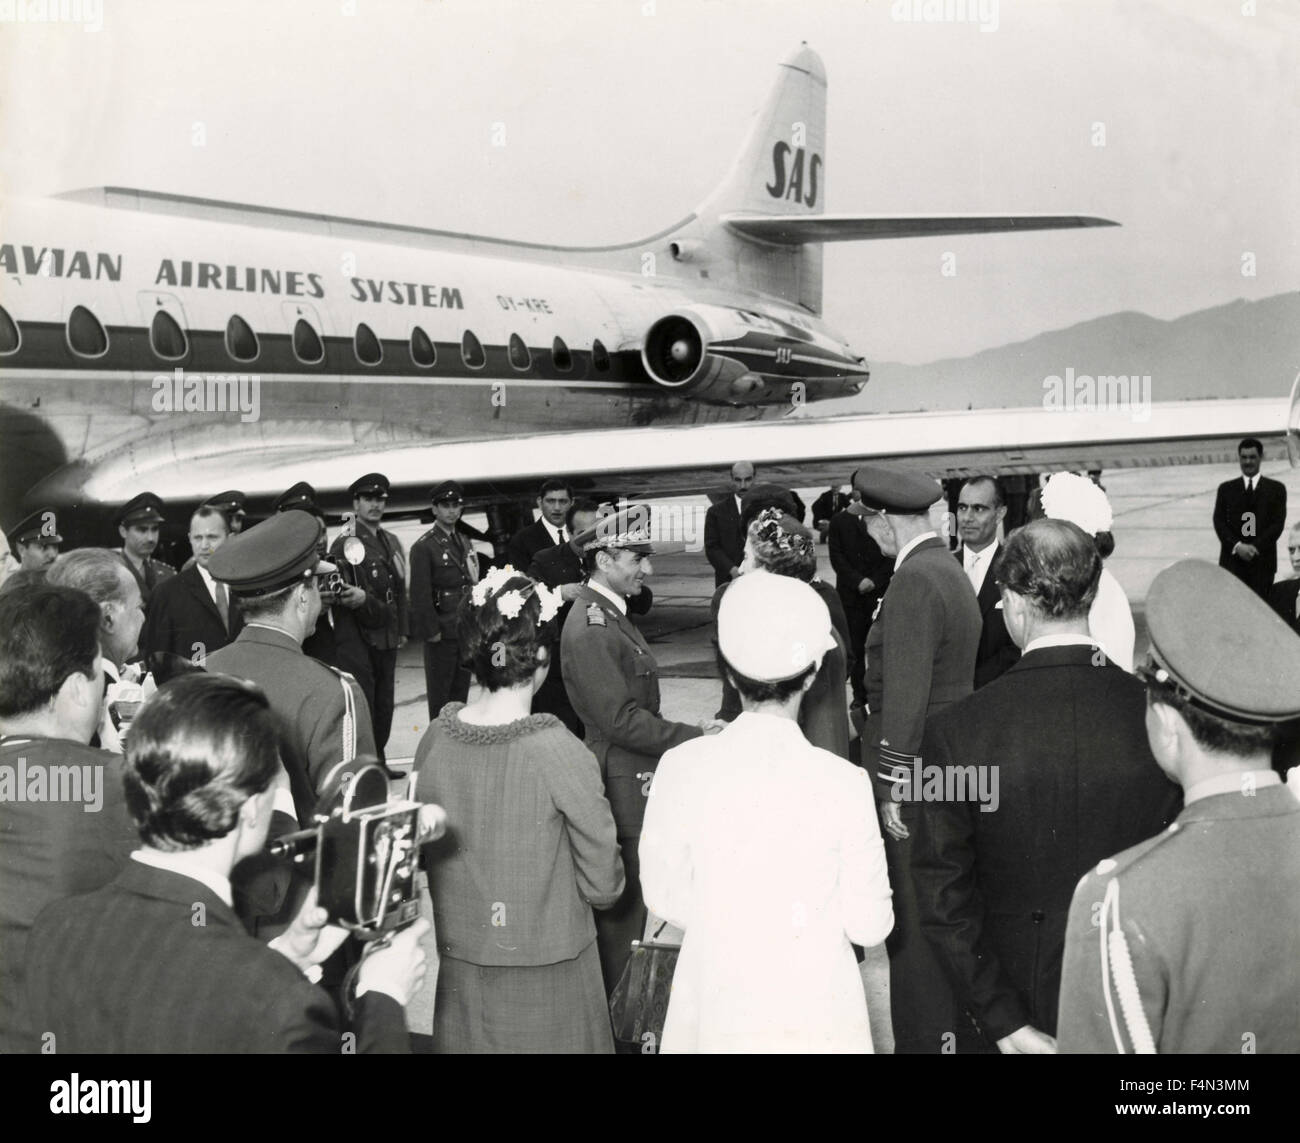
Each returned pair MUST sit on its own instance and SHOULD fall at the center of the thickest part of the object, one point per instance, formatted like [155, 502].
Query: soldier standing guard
[137, 523]
[443, 568]
[381, 620]
[613, 683]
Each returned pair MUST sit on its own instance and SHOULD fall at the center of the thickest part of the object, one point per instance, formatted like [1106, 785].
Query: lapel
[199, 590]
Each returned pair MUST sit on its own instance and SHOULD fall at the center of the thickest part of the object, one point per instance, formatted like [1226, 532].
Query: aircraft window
[471, 351]
[167, 338]
[241, 341]
[599, 355]
[520, 358]
[9, 337]
[366, 346]
[85, 335]
[561, 358]
[423, 352]
[307, 345]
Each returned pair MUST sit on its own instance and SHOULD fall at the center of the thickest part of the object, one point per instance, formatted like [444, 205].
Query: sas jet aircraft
[182, 345]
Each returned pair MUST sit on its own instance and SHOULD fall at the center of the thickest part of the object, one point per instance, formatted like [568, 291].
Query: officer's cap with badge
[773, 627]
[40, 525]
[300, 496]
[448, 492]
[277, 553]
[628, 529]
[231, 502]
[373, 484]
[143, 509]
[892, 490]
[1219, 647]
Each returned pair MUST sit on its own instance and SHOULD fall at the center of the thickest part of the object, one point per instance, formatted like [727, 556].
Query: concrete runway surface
[1161, 515]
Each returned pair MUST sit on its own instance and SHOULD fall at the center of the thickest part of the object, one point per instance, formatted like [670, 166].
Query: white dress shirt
[977, 564]
[907, 548]
[613, 596]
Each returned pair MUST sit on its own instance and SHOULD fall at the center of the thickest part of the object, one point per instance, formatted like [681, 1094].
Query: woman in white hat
[766, 850]
[1067, 496]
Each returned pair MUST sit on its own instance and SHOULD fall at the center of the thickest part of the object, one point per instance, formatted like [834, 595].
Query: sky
[1177, 118]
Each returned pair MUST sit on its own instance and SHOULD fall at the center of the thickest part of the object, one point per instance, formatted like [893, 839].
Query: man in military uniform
[301, 495]
[920, 658]
[1208, 910]
[34, 540]
[613, 684]
[137, 523]
[380, 619]
[443, 568]
[233, 505]
[271, 571]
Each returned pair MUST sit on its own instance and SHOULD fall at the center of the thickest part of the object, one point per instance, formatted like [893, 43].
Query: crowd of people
[954, 753]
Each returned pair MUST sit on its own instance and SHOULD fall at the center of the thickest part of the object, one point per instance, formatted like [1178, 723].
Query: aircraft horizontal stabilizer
[795, 230]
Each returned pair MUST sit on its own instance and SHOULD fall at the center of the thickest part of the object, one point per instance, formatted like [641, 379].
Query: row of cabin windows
[88, 338]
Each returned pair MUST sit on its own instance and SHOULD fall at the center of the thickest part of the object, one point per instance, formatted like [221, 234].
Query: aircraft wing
[798, 450]
[792, 230]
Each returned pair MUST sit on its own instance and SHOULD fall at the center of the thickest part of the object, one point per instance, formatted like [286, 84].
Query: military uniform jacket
[443, 569]
[920, 655]
[381, 620]
[155, 571]
[613, 684]
[1210, 910]
[320, 724]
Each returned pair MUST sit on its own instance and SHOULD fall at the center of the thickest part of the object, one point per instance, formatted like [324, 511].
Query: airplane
[182, 345]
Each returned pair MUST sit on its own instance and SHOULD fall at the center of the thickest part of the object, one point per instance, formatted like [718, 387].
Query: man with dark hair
[34, 540]
[550, 528]
[444, 566]
[862, 572]
[980, 509]
[724, 535]
[100, 574]
[1186, 942]
[613, 684]
[156, 961]
[138, 522]
[920, 658]
[1249, 516]
[377, 617]
[63, 818]
[190, 614]
[995, 862]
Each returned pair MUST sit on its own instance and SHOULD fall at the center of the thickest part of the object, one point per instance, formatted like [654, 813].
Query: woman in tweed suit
[530, 848]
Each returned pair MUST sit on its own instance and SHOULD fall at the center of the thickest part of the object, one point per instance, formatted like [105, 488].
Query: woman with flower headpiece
[775, 542]
[530, 848]
[1067, 496]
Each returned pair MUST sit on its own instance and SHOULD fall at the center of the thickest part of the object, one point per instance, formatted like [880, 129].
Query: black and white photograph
[645, 527]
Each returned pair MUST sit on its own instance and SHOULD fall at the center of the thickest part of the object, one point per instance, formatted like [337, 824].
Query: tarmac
[1160, 515]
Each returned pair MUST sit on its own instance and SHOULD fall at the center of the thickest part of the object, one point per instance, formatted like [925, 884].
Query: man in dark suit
[613, 683]
[980, 509]
[995, 864]
[190, 614]
[1193, 931]
[550, 528]
[1249, 516]
[862, 572]
[724, 539]
[444, 566]
[560, 567]
[920, 658]
[63, 817]
[1284, 597]
[156, 961]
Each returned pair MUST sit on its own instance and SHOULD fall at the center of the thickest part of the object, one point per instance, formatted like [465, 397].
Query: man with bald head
[724, 539]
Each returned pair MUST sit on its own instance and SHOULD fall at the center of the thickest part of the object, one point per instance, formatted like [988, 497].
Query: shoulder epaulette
[596, 615]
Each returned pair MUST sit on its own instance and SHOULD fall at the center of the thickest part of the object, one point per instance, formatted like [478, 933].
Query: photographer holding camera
[201, 771]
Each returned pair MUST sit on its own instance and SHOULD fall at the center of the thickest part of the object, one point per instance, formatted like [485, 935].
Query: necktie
[223, 605]
[1250, 486]
[972, 572]
[564, 536]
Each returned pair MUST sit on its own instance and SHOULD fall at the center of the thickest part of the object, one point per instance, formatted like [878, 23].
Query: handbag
[639, 1004]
